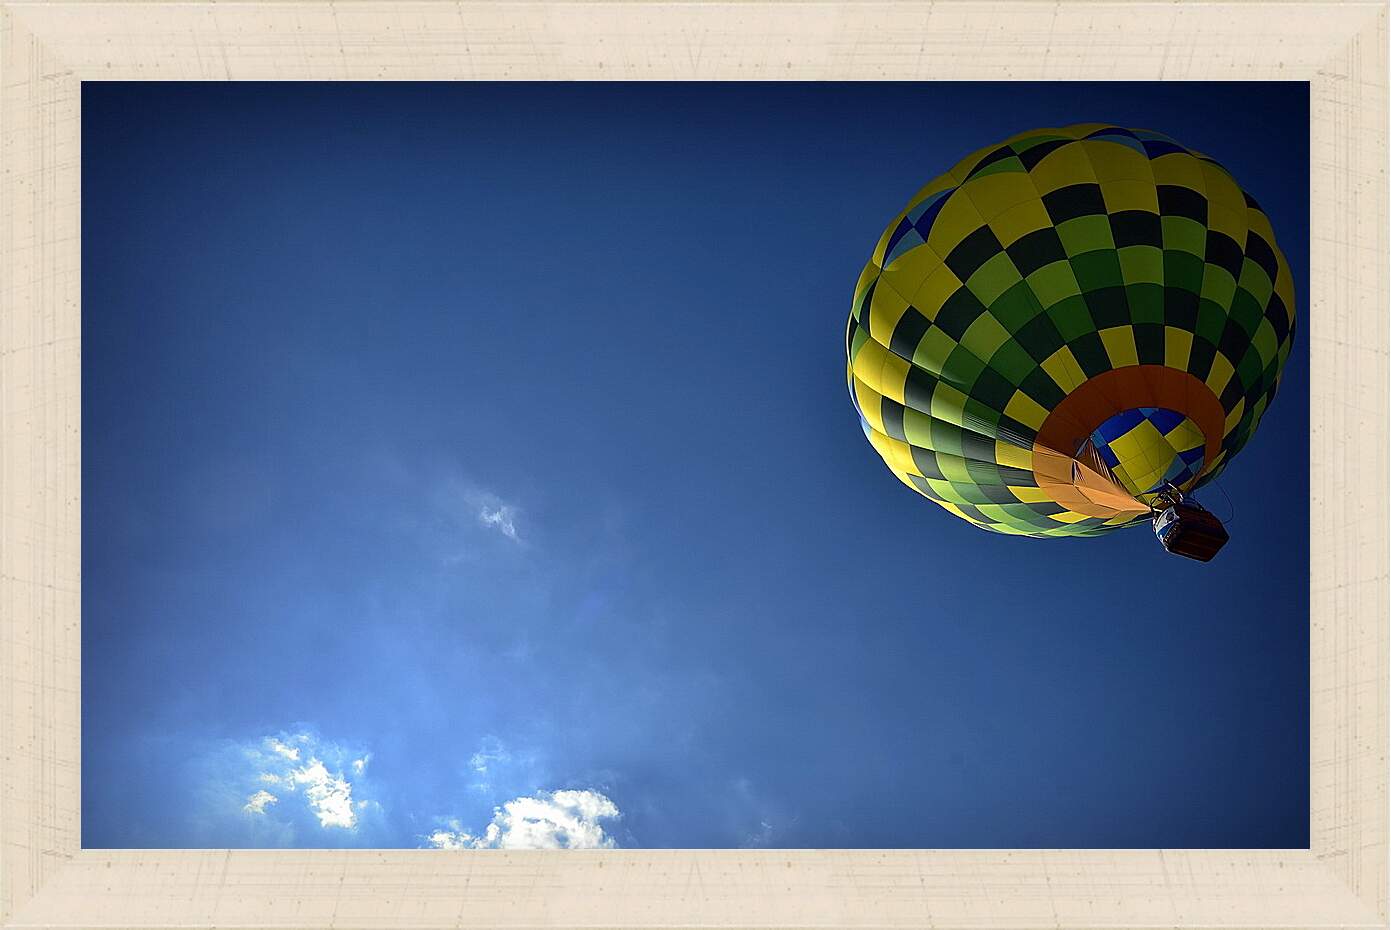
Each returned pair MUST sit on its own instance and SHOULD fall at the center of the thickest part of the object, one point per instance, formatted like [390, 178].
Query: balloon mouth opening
[1145, 450]
[1111, 443]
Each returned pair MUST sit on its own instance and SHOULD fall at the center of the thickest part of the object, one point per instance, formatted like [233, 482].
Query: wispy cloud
[491, 754]
[462, 499]
[760, 838]
[455, 513]
[501, 770]
[256, 804]
[743, 802]
[547, 820]
[281, 749]
[499, 516]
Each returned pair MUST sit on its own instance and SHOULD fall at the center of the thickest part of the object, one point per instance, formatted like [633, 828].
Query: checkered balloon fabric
[1065, 323]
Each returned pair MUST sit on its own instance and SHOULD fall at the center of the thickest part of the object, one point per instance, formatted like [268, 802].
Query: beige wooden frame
[48, 48]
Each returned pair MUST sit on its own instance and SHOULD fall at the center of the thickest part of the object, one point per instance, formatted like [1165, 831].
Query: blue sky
[472, 465]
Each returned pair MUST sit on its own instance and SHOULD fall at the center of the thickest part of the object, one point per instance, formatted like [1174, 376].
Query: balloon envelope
[1066, 323]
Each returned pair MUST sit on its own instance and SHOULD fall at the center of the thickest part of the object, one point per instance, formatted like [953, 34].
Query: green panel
[1016, 306]
[1142, 264]
[993, 278]
[1072, 318]
[1054, 282]
[1086, 234]
[1184, 235]
[1183, 270]
[1096, 270]
[1013, 362]
[1146, 302]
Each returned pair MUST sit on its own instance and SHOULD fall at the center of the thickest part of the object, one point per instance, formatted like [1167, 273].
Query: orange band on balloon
[1081, 489]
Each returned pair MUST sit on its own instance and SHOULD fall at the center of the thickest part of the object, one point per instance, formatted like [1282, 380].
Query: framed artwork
[772, 464]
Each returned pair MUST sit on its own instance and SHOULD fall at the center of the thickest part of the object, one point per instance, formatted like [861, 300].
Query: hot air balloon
[1071, 331]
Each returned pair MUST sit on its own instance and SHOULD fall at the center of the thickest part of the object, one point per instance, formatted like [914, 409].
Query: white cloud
[330, 796]
[279, 748]
[455, 837]
[256, 804]
[547, 820]
[320, 773]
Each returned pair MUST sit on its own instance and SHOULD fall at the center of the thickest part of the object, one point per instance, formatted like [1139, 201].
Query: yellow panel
[868, 362]
[1234, 417]
[1120, 346]
[1144, 457]
[1029, 495]
[994, 193]
[1259, 223]
[881, 247]
[939, 183]
[881, 370]
[1130, 195]
[1178, 344]
[908, 270]
[868, 400]
[1221, 190]
[1062, 367]
[1221, 373]
[1067, 516]
[1007, 453]
[1026, 410]
[1185, 436]
[907, 483]
[948, 505]
[1178, 168]
[897, 455]
[894, 377]
[1135, 443]
[885, 310]
[1228, 221]
[1112, 161]
[934, 291]
[958, 219]
[1062, 167]
[1019, 220]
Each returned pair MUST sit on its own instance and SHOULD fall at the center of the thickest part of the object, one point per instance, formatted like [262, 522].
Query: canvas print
[646, 465]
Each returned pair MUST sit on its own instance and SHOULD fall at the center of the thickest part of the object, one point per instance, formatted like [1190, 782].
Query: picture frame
[47, 49]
